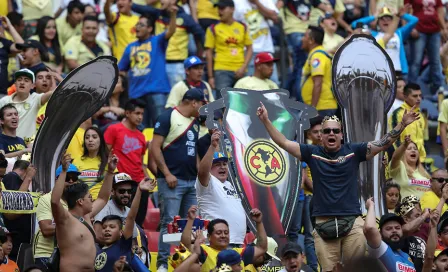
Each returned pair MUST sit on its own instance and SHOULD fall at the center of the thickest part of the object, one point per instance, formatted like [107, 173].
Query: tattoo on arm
[387, 139]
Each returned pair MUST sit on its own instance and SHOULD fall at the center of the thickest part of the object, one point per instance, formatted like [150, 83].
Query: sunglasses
[71, 177]
[440, 180]
[123, 191]
[329, 130]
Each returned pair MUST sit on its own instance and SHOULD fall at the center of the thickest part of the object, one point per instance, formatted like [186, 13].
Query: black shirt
[5, 50]
[11, 144]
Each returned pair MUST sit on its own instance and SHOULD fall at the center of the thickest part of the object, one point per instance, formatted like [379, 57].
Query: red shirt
[426, 12]
[129, 146]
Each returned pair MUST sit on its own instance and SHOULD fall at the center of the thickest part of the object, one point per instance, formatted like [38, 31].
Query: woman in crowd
[47, 35]
[391, 195]
[407, 170]
[112, 112]
[93, 162]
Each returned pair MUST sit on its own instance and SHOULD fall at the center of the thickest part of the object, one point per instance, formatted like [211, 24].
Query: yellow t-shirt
[339, 7]
[178, 91]
[430, 201]
[89, 168]
[291, 23]
[122, 33]
[417, 185]
[33, 10]
[75, 148]
[255, 83]
[443, 116]
[229, 42]
[75, 49]
[3, 7]
[209, 256]
[65, 30]
[14, 63]
[40, 116]
[43, 247]
[318, 64]
[206, 10]
[308, 173]
[331, 43]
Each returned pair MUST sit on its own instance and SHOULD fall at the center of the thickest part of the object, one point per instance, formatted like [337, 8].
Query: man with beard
[122, 190]
[386, 243]
[334, 167]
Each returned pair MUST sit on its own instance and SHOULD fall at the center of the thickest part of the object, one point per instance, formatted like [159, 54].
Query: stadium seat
[152, 219]
[153, 240]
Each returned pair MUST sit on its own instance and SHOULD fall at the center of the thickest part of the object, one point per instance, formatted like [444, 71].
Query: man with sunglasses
[122, 192]
[44, 239]
[334, 168]
[438, 195]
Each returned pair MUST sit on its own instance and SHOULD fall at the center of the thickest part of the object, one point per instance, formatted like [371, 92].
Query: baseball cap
[272, 248]
[326, 16]
[219, 156]
[385, 11]
[71, 169]
[194, 94]
[26, 73]
[439, 252]
[224, 3]
[192, 61]
[264, 57]
[390, 217]
[291, 247]
[122, 178]
[229, 257]
[32, 44]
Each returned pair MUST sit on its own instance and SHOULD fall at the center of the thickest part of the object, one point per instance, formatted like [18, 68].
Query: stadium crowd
[146, 158]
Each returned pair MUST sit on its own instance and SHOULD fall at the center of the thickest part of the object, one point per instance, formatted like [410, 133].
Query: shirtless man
[75, 237]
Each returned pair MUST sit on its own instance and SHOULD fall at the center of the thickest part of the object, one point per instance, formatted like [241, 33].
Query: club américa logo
[265, 163]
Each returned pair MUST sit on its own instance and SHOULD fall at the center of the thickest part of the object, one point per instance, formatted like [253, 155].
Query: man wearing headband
[334, 167]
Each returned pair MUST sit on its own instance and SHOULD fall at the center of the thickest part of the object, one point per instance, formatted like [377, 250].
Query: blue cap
[229, 257]
[71, 169]
[218, 156]
[194, 94]
[192, 61]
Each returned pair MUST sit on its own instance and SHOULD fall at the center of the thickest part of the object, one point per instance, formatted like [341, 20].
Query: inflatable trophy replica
[264, 175]
[364, 85]
[82, 93]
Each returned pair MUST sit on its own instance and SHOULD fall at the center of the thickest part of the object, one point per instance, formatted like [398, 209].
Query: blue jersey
[107, 256]
[393, 261]
[145, 63]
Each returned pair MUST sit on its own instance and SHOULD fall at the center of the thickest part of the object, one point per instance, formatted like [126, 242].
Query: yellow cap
[272, 248]
[385, 12]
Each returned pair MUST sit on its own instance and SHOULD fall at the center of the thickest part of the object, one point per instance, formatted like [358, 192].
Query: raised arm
[60, 215]
[191, 263]
[172, 26]
[107, 13]
[265, 11]
[415, 224]
[280, 139]
[206, 163]
[144, 185]
[432, 243]
[399, 153]
[186, 233]
[106, 188]
[262, 238]
[371, 231]
[375, 147]
[29, 175]
[15, 35]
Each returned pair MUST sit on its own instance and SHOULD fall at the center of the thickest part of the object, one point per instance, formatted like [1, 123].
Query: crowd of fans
[173, 58]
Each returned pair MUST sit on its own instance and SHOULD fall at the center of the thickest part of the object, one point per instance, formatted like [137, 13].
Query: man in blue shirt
[334, 168]
[386, 243]
[144, 60]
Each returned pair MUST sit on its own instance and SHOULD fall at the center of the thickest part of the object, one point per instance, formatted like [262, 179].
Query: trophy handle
[209, 111]
[306, 113]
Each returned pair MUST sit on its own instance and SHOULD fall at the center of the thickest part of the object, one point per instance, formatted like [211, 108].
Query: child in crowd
[7, 265]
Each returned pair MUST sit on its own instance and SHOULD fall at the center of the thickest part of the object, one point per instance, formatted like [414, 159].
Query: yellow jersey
[75, 49]
[416, 130]
[206, 9]
[76, 148]
[89, 168]
[318, 63]
[255, 83]
[33, 10]
[430, 200]
[443, 116]
[66, 31]
[209, 256]
[229, 42]
[122, 33]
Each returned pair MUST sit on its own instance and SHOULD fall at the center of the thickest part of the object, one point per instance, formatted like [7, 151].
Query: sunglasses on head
[71, 177]
[329, 130]
[123, 191]
[440, 180]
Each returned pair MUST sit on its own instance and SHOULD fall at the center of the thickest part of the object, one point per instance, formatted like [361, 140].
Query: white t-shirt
[220, 200]
[112, 209]
[257, 25]
[392, 49]
[28, 110]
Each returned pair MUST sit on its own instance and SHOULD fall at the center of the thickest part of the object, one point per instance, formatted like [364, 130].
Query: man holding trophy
[334, 167]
